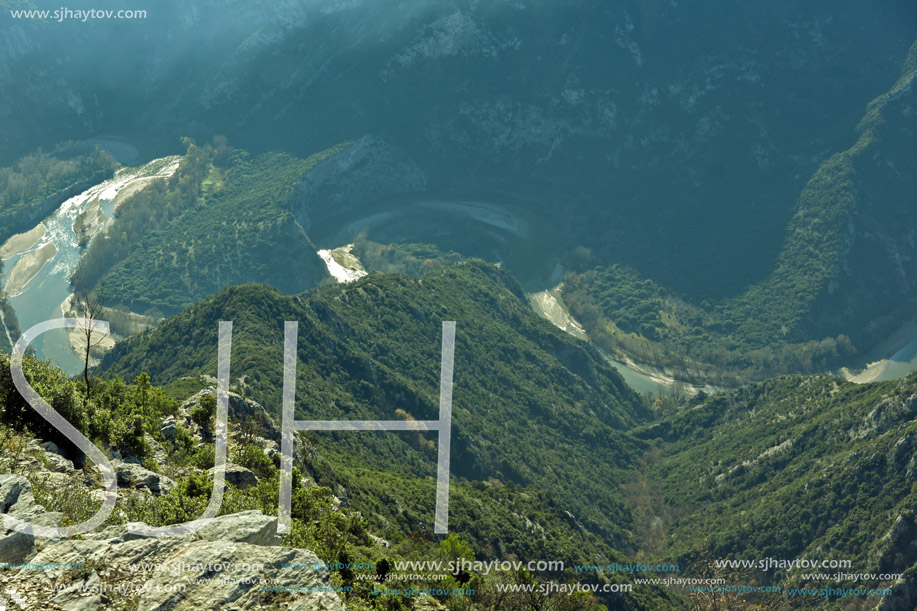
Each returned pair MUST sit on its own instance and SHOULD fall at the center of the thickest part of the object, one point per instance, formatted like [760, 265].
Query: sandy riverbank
[878, 361]
[132, 189]
[342, 264]
[21, 242]
[88, 224]
[550, 304]
[27, 267]
[643, 378]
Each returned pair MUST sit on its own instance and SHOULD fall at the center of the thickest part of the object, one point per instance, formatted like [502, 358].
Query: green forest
[797, 466]
[369, 349]
[217, 222]
[811, 313]
[37, 184]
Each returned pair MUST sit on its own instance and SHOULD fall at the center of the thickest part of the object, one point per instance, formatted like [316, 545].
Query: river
[41, 297]
[898, 365]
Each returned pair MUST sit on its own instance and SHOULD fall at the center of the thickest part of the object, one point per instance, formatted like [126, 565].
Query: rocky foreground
[235, 562]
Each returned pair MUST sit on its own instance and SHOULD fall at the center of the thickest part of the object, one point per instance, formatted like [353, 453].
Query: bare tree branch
[89, 305]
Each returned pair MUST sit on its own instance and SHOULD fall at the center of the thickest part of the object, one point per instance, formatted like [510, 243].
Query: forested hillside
[38, 183]
[370, 350]
[791, 467]
[843, 279]
[167, 446]
[794, 467]
[218, 221]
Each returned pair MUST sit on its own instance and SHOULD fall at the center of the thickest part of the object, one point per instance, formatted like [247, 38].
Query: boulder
[16, 500]
[159, 453]
[74, 598]
[58, 463]
[168, 428]
[252, 527]
[240, 410]
[14, 489]
[51, 447]
[215, 574]
[238, 476]
[135, 476]
[16, 546]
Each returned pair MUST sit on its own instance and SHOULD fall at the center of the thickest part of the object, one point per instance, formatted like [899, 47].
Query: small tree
[203, 414]
[142, 398]
[88, 305]
[247, 432]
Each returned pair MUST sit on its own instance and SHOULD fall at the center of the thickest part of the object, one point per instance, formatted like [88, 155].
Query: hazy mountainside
[873, 271]
[847, 259]
[363, 173]
[219, 220]
[794, 467]
[662, 130]
[843, 279]
[707, 148]
[531, 405]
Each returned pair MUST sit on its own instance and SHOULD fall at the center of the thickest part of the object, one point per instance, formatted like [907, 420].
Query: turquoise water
[639, 381]
[900, 364]
[42, 297]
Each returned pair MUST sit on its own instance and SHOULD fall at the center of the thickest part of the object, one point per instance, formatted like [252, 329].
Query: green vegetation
[793, 467]
[552, 456]
[34, 187]
[543, 490]
[815, 310]
[117, 416]
[9, 324]
[624, 313]
[218, 221]
[369, 349]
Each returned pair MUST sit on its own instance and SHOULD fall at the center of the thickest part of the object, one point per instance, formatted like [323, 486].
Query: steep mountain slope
[794, 467]
[163, 451]
[531, 406]
[664, 134]
[844, 278]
